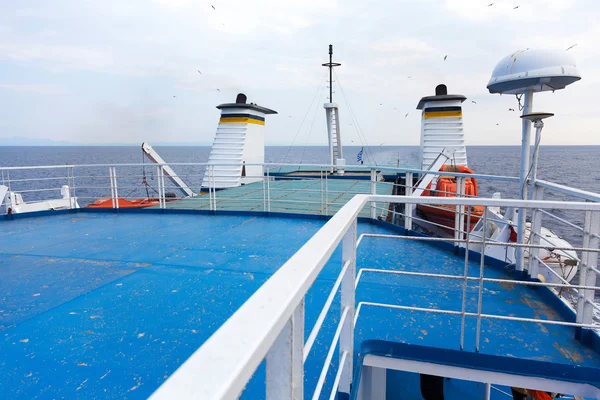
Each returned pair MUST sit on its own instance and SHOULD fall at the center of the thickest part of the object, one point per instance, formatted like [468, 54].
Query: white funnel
[240, 140]
[442, 127]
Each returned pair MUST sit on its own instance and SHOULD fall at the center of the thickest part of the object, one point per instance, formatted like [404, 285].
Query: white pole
[373, 191]
[539, 125]
[525, 149]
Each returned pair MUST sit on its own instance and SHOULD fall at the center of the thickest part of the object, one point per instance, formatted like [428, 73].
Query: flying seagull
[406, 115]
[571, 47]
[473, 101]
[213, 7]
[514, 8]
[511, 109]
[199, 72]
[491, 4]
[409, 77]
[218, 90]
[174, 97]
[446, 56]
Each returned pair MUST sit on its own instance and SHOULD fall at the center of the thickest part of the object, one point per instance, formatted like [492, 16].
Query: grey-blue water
[575, 166]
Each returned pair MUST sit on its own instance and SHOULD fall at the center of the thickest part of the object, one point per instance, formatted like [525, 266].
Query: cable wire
[355, 120]
[304, 118]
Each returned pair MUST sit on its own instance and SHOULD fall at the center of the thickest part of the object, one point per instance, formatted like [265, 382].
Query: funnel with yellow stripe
[239, 143]
[442, 127]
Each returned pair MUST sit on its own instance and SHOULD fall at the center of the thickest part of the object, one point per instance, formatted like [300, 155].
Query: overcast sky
[91, 71]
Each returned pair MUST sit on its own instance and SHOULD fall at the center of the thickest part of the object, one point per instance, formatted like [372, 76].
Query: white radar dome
[537, 70]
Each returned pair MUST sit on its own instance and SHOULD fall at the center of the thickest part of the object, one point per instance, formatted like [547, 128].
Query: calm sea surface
[576, 166]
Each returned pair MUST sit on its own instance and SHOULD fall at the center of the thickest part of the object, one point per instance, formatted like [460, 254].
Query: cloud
[120, 63]
[480, 10]
[40, 88]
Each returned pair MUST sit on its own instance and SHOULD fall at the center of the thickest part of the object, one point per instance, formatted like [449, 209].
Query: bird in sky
[570, 47]
[446, 56]
[174, 97]
[406, 115]
[491, 4]
[514, 8]
[380, 104]
[473, 101]
[199, 72]
[409, 77]
[511, 109]
[497, 124]
[213, 7]
[218, 90]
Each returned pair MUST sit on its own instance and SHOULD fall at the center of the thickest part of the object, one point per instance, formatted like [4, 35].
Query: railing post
[534, 235]
[322, 194]
[264, 189]
[73, 186]
[408, 208]
[481, 275]
[214, 188]
[589, 262]
[114, 174]
[210, 187]
[268, 191]
[162, 185]
[326, 193]
[285, 366]
[465, 281]
[459, 219]
[348, 301]
[112, 186]
[373, 191]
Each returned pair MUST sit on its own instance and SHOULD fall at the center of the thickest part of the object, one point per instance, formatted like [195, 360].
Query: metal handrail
[582, 194]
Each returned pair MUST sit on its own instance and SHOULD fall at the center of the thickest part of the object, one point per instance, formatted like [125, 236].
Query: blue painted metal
[104, 304]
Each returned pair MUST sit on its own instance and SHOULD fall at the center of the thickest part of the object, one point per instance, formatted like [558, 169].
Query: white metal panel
[496, 378]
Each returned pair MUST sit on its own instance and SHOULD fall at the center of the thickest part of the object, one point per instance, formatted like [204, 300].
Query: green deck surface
[304, 196]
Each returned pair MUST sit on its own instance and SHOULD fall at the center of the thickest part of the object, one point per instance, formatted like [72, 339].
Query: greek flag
[359, 156]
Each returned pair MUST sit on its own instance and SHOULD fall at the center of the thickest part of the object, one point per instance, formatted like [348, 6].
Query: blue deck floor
[103, 305]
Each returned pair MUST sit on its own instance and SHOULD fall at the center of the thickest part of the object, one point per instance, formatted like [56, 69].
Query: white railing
[270, 324]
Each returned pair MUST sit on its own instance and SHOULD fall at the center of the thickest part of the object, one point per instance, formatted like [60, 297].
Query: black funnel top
[241, 98]
[441, 94]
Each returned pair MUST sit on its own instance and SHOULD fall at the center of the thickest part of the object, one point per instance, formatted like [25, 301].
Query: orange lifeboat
[107, 202]
[446, 186]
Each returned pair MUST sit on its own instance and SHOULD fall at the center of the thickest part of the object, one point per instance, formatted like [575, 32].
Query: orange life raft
[446, 186]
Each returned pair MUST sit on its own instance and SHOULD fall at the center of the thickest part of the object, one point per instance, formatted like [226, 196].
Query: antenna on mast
[330, 65]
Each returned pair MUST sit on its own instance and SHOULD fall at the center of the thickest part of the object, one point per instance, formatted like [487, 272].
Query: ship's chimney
[239, 141]
[442, 127]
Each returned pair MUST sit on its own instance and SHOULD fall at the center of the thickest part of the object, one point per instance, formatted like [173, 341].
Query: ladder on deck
[333, 130]
[335, 135]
